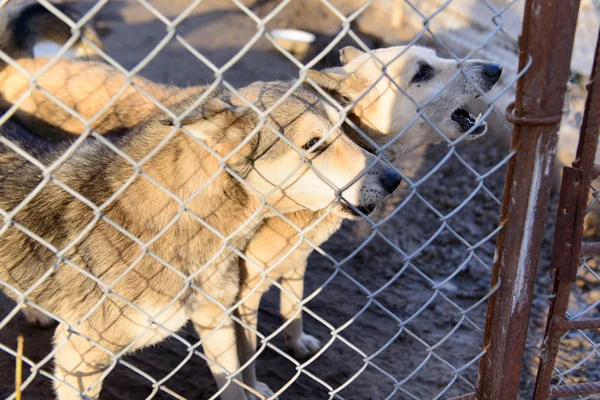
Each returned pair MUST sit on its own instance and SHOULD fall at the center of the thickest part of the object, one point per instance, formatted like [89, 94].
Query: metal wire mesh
[455, 284]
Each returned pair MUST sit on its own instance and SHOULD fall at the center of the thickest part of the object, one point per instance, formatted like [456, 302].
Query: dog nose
[390, 180]
[493, 71]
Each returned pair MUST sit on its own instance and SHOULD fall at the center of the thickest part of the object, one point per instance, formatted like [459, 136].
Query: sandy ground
[415, 332]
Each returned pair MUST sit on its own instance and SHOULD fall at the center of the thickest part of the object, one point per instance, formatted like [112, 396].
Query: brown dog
[135, 267]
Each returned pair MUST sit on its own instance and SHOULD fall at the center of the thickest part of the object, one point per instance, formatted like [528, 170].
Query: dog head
[296, 158]
[415, 80]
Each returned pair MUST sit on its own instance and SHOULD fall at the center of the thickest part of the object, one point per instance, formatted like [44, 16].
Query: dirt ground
[412, 333]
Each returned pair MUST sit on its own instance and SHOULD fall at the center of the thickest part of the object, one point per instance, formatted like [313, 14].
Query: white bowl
[293, 40]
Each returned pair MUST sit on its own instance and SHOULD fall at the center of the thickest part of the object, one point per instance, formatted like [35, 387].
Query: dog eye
[425, 73]
[310, 143]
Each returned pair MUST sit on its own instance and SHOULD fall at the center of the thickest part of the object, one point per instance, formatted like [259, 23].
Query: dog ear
[349, 53]
[339, 84]
[333, 82]
[220, 125]
[328, 79]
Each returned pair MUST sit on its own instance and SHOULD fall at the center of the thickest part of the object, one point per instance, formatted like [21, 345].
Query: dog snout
[390, 180]
[492, 71]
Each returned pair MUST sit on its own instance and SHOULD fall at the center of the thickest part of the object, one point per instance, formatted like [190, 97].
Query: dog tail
[23, 25]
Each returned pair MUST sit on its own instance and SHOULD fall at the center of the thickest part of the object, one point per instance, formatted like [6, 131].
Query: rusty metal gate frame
[568, 246]
[546, 46]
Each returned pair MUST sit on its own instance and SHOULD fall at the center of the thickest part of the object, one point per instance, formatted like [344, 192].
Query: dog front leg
[301, 344]
[246, 337]
[220, 347]
[79, 365]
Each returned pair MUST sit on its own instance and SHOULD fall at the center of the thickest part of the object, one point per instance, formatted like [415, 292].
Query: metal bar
[585, 323]
[586, 150]
[565, 257]
[590, 126]
[547, 39]
[590, 249]
[551, 343]
[578, 389]
[569, 225]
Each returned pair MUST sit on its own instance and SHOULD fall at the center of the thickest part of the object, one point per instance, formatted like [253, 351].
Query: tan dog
[155, 259]
[383, 110]
[165, 249]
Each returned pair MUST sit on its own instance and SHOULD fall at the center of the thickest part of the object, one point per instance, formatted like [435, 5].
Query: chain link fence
[397, 300]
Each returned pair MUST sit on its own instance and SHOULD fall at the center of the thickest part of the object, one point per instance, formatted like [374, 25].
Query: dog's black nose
[390, 180]
[493, 71]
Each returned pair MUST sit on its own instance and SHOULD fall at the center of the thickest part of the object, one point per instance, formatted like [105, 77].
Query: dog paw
[303, 346]
[264, 390]
[38, 318]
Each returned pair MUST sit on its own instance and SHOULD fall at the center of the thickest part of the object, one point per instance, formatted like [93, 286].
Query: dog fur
[136, 300]
[382, 110]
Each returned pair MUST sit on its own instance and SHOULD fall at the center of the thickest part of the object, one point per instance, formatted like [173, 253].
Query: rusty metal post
[563, 258]
[547, 37]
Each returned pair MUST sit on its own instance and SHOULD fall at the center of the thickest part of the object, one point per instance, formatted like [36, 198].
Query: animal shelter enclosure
[441, 292]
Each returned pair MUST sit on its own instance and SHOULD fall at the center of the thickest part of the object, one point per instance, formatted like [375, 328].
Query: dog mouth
[365, 209]
[466, 121]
